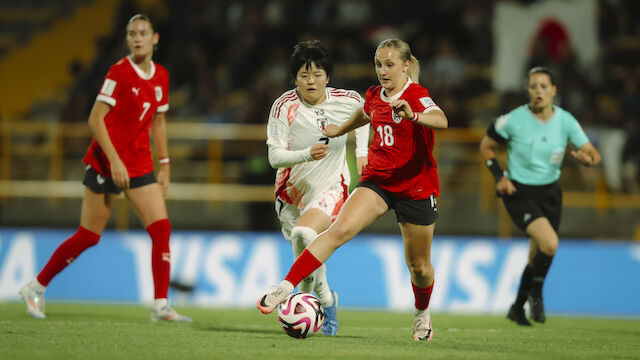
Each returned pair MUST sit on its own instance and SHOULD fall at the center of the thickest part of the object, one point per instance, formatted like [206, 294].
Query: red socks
[160, 231]
[68, 251]
[422, 295]
[304, 265]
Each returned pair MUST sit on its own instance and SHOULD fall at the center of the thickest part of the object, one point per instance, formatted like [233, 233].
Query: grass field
[77, 331]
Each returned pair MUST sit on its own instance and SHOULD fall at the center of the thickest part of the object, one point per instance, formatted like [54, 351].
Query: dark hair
[142, 17]
[541, 70]
[307, 52]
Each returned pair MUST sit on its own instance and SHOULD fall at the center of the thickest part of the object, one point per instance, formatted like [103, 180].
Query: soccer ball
[300, 315]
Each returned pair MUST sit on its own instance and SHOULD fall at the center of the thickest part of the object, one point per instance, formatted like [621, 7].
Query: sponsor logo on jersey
[318, 111]
[107, 87]
[135, 90]
[396, 118]
[158, 93]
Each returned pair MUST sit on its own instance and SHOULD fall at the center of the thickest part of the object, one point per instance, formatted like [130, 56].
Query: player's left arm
[587, 155]
[434, 118]
[159, 133]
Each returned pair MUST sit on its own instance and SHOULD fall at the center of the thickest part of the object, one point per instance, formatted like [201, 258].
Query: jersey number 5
[386, 135]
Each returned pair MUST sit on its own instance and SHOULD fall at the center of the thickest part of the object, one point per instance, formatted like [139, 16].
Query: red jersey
[134, 97]
[400, 154]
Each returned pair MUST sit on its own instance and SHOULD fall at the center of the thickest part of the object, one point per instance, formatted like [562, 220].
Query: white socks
[301, 236]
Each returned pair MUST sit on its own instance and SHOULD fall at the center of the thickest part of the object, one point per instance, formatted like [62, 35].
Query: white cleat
[34, 300]
[270, 301]
[422, 330]
[166, 313]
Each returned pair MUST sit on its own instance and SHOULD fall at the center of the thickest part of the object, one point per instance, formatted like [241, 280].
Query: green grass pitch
[80, 331]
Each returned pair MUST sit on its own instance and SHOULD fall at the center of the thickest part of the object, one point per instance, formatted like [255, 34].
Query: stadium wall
[231, 269]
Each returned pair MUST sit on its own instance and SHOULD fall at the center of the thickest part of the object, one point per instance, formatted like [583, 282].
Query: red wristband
[415, 117]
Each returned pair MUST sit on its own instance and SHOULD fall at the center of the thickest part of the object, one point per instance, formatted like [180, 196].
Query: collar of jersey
[139, 71]
[540, 121]
[326, 90]
[385, 98]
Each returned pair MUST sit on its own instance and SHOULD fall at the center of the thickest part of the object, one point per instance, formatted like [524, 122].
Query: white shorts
[330, 202]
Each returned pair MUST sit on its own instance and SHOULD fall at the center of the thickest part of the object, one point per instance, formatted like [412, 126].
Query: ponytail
[414, 69]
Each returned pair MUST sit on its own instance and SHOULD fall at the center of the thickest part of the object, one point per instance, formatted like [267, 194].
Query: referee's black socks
[525, 286]
[541, 265]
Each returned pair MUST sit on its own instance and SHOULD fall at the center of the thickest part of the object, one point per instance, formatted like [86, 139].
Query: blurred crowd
[228, 62]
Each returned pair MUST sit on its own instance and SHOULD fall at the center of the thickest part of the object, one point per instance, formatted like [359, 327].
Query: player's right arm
[495, 137]
[280, 156]
[119, 173]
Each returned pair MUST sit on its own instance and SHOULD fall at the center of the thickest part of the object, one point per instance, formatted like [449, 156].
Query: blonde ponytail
[414, 69]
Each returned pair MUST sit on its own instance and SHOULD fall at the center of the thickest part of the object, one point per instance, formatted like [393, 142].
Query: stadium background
[228, 62]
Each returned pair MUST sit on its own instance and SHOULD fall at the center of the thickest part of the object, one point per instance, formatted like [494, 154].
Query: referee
[536, 136]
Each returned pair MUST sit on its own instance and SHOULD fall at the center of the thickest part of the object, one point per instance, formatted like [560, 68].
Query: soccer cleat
[422, 330]
[270, 301]
[34, 300]
[517, 314]
[330, 325]
[537, 309]
[166, 313]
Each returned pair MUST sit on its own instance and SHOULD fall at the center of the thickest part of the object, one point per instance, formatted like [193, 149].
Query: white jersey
[294, 126]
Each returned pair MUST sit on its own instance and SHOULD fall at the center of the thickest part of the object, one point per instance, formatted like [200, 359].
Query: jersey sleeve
[424, 103]
[163, 105]
[368, 96]
[113, 82]
[362, 133]
[576, 134]
[277, 141]
[501, 127]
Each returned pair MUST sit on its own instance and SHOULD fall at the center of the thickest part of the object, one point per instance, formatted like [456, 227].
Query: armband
[495, 169]
[163, 160]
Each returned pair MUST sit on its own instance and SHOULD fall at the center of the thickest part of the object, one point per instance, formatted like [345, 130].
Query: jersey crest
[158, 93]
[322, 123]
[396, 118]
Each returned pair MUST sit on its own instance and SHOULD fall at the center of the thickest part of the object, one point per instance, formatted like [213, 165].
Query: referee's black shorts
[530, 202]
[417, 212]
[104, 185]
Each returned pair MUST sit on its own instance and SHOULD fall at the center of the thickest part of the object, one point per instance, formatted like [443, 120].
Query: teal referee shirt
[535, 148]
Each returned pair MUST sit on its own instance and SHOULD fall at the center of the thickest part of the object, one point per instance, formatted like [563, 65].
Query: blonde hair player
[401, 175]
[131, 103]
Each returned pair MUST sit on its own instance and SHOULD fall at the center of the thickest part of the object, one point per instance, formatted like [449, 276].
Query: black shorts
[102, 185]
[533, 201]
[417, 212]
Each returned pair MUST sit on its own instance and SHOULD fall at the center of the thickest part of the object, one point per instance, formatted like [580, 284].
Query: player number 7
[146, 105]
[325, 139]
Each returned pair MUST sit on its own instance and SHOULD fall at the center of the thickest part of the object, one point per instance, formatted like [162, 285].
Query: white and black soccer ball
[300, 315]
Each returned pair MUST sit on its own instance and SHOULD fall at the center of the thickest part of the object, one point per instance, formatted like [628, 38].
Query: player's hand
[163, 180]
[582, 157]
[505, 187]
[319, 151]
[402, 108]
[361, 163]
[119, 174]
[331, 130]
